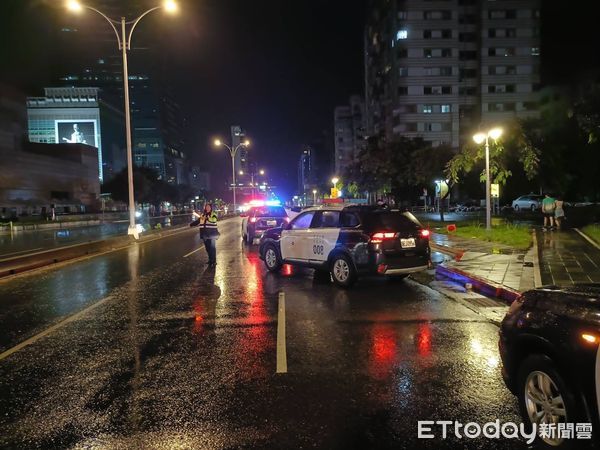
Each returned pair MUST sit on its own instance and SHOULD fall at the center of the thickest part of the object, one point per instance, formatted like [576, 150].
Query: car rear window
[270, 211]
[390, 220]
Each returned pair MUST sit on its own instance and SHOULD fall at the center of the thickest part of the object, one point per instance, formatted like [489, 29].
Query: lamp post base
[133, 231]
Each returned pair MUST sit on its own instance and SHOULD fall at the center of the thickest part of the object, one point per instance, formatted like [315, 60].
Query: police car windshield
[391, 220]
[270, 211]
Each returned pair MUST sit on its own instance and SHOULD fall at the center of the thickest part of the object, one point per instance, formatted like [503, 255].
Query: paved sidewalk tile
[566, 258]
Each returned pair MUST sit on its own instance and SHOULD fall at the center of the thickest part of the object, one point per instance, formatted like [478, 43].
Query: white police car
[349, 241]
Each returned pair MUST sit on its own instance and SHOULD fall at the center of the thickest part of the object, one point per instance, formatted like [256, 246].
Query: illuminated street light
[241, 172]
[314, 196]
[124, 44]
[334, 181]
[262, 172]
[479, 138]
[232, 152]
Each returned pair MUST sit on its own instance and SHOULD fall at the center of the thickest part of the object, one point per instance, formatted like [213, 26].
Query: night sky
[275, 67]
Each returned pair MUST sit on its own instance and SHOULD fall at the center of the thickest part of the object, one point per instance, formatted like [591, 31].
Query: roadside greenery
[517, 236]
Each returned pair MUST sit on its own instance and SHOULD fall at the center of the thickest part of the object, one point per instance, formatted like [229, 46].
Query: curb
[457, 254]
[481, 285]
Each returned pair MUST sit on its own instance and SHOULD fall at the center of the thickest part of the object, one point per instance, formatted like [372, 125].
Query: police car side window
[349, 220]
[302, 221]
[327, 219]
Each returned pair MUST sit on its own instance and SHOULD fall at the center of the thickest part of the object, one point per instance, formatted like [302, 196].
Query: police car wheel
[544, 396]
[342, 271]
[272, 259]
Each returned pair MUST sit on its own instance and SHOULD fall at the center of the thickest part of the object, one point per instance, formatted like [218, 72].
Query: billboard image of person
[76, 132]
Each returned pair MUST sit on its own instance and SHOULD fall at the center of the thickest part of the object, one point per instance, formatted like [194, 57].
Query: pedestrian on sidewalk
[548, 208]
[559, 212]
[209, 232]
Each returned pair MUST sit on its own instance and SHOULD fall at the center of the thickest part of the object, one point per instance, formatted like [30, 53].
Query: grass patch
[593, 231]
[517, 236]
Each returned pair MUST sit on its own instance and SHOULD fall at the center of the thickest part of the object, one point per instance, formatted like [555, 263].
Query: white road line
[587, 238]
[54, 327]
[281, 347]
[192, 252]
[22, 251]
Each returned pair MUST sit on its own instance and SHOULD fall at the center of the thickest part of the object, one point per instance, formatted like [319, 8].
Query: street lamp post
[232, 152]
[124, 44]
[314, 196]
[479, 138]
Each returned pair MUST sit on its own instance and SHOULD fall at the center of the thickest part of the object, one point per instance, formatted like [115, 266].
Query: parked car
[259, 219]
[529, 202]
[549, 347]
[348, 241]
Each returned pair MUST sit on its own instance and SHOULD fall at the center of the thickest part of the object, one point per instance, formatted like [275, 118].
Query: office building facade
[79, 116]
[441, 69]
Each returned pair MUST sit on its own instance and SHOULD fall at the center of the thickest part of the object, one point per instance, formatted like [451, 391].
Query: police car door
[291, 242]
[323, 237]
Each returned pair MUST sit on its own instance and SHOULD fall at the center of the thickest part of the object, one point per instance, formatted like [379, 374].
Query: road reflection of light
[254, 343]
[485, 356]
[424, 339]
[382, 352]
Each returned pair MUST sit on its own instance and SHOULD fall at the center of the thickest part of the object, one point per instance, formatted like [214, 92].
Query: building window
[467, 19]
[466, 91]
[437, 15]
[465, 55]
[535, 51]
[403, 71]
[467, 37]
[427, 109]
[402, 53]
[445, 109]
[402, 90]
[402, 15]
[467, 73]
[499, 51]
[401, 34]
[445, 71]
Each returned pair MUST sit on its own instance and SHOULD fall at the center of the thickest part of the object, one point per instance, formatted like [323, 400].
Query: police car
[349, 241]
[260, 217]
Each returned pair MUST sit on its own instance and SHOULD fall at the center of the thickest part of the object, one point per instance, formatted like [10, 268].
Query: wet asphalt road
[177, 355]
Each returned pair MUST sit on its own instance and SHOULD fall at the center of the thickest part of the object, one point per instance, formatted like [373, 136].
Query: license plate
[271, 223]
[407, 243]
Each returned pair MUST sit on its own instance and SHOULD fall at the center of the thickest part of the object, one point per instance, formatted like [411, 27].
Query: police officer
[209, 232]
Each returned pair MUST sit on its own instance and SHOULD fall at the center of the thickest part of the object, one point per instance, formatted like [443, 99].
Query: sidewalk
[495, 270]
[560, 258]
[567, 258]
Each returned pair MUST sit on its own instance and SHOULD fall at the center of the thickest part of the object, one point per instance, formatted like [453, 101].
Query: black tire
[342, 271]
[249, 238]
[529, 372]
[272, 260]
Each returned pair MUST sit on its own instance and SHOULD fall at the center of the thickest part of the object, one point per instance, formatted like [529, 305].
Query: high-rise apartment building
[441, 69]
[349, 132]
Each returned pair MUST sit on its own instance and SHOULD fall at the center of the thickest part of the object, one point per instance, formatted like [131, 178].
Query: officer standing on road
[209, 232]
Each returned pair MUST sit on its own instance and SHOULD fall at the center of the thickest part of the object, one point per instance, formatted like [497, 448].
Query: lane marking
[22, 251]
[192, 252]
[587, 238]
[53, 328]
[281, 347]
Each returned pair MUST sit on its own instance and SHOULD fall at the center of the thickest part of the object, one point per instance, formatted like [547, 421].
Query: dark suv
[549, 348]
[348, 241]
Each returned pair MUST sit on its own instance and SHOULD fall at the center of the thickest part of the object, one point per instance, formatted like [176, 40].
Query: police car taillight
[378, 238]
[425, 233]
[253, 219]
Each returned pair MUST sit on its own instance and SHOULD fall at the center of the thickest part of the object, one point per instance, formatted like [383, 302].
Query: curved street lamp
[124, 43]
[479, 138]
[232, 152]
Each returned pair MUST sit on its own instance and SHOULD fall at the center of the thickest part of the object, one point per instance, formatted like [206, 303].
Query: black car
[549, 348]
[258, 219]
[348, 241]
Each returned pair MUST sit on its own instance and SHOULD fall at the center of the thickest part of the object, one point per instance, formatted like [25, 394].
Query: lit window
[401, 34]
[445, 108]
[427, 109]
[535, 51]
